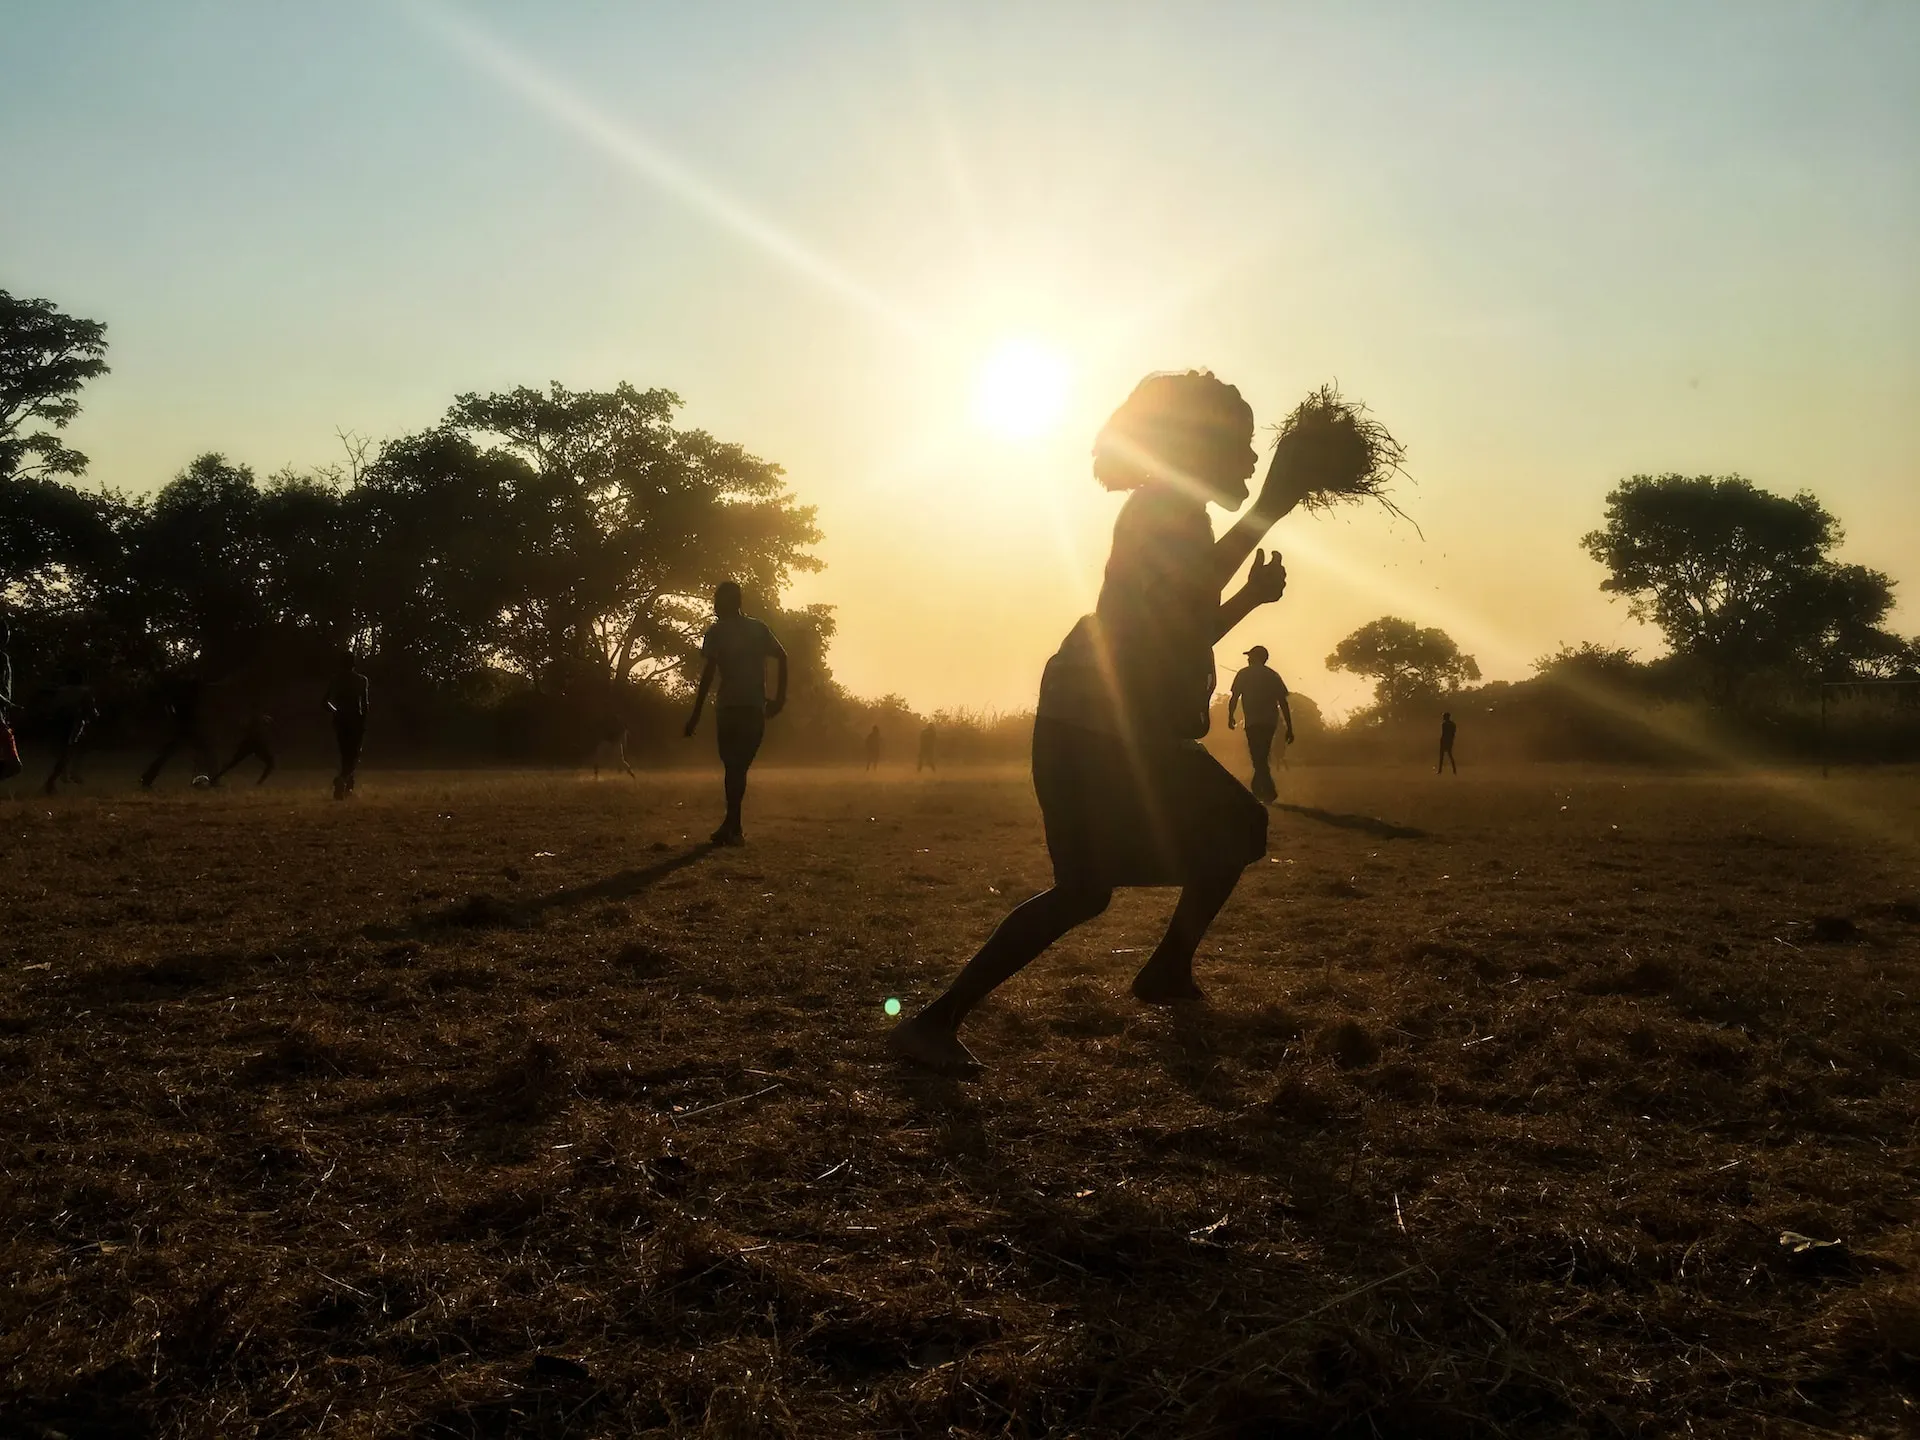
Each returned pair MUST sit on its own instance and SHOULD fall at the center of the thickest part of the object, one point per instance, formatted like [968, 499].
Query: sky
[1550, 245]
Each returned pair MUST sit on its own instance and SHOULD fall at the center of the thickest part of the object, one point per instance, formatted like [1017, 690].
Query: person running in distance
[737, 648]
[73, 710]
[1447, 729]
[10, 763]
[253, 745]
[181, 694]
[872, 747]
[929, 756]
[1127, 794]
[346, 702]
[1262, 697]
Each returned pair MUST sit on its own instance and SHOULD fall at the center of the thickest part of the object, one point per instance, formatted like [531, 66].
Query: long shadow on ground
[623, 883]
[1367, 824]
[489, 910]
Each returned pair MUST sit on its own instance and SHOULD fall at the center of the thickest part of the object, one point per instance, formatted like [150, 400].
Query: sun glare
[1020, 392]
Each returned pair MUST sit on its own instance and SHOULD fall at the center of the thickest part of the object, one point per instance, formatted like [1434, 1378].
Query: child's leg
[1168, 973]
[152, 772]
[62, 761]
[1021, 937]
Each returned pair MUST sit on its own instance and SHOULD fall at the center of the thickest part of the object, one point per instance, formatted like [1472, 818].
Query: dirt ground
[1541, 1102]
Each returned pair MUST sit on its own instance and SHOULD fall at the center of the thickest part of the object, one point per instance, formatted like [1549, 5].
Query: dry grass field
[499, 1106]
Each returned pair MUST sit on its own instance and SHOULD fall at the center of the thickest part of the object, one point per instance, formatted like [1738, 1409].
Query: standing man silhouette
[737, 648]
[1447, 728]
[872, 747]
[929, 757]
[346, 702]
[1262, 697]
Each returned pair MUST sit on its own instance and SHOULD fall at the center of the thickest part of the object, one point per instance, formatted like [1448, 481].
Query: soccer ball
[203, 782]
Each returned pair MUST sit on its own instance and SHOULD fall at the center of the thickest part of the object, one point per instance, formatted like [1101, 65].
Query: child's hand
[775, 706]
[1285, 483]
[1267, 580]
[691, 726]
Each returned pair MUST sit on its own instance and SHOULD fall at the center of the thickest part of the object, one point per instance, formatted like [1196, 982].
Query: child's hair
[727, 592]
[1175, 425]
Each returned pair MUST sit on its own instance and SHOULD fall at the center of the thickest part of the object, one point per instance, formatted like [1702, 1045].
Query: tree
[45, 357]
[1408, 665]
[622, 525]
[1740, 580]
[198, 566]
[1589, 663]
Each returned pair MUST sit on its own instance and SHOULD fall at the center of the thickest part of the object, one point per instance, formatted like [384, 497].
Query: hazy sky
[1550, 244]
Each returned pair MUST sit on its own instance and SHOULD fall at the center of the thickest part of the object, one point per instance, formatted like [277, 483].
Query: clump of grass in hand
[1340, 452]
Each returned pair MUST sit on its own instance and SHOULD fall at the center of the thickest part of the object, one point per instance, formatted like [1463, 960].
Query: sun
[1020, 390]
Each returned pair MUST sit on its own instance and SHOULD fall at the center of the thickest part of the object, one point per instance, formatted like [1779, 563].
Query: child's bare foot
[1155, 987]
[931, 1047]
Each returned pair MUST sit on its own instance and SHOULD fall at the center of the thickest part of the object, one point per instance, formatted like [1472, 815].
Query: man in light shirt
[737, 648]
[1261, 696]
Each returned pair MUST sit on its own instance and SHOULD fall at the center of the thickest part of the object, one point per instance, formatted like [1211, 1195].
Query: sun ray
[647, 159]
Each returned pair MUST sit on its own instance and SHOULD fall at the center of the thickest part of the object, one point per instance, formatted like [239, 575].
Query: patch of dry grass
[500, 1106]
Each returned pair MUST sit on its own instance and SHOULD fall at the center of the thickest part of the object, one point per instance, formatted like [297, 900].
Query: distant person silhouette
[74, 709]
[1447, 729]
[872, 747]
[181, 694]
[10, 762]
[255, 743]
[611, 751]
[1128, 795]
[347, 701]
[737, 648]
[610, 738]
[929, 756]
[1262, 697]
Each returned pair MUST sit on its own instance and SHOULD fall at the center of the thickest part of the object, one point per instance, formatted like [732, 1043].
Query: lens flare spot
[892, 1007]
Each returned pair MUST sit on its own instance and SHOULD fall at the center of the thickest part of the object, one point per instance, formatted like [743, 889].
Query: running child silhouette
[1127, 794]
[737, 648]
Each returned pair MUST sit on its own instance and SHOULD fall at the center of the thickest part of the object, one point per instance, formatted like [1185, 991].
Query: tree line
[556, 545]
[537, 566]
[1757, 612]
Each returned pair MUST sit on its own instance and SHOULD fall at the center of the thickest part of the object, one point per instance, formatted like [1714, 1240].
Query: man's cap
[1258, 652]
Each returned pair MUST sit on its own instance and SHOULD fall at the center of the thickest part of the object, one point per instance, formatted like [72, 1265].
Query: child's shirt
[1142, 664]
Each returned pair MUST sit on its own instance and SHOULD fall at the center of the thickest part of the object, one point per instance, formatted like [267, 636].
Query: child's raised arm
[1266, 582]
[1279, 493]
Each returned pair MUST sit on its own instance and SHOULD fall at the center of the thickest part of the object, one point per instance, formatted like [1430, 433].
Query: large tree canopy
[45, 357]
[1740, 580]
[625, 523]
[1409, 665]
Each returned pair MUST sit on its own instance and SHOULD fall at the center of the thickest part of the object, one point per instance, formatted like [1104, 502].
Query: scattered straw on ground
[1549, 1104]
